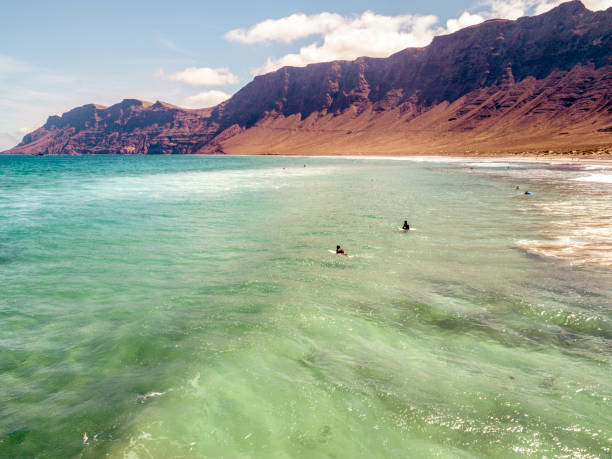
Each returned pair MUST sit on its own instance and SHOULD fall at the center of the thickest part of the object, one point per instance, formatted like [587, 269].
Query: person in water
[339, 250]
[406, 225]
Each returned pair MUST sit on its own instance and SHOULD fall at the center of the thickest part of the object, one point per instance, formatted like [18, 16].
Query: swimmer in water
[406, 225]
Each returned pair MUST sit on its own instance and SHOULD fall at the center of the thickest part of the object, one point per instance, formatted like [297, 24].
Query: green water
[189, 307]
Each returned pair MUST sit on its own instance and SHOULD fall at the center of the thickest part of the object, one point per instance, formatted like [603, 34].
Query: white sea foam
[492, 164]
[208, 182]
[158, 186]
[194, 382]
[143, 398]
[578, 232]
[598, 178]
[596, 167]
[414, 159]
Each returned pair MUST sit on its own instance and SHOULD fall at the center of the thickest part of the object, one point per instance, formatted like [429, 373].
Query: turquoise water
[189, 307]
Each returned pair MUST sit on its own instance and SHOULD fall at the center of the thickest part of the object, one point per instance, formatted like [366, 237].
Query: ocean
[190, 307]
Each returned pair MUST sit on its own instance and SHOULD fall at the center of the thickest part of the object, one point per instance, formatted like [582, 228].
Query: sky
[57, 55]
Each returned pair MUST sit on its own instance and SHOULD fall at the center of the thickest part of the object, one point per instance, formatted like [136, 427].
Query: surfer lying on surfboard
[339, 251]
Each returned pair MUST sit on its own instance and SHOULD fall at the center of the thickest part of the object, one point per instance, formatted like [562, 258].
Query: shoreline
[542, 158]
[446, 157]
[569, 157]
[597, 154]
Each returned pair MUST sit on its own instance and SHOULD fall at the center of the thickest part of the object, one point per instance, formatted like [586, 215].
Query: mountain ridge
[541, 81]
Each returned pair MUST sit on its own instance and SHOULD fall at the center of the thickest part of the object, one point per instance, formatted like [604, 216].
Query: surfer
[406, 225]
[527, 192]
[339, 251]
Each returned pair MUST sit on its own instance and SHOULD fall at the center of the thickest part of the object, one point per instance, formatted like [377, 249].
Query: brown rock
[498, 86]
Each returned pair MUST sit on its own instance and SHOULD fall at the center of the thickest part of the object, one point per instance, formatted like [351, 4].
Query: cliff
[129, 127]
[537, 82]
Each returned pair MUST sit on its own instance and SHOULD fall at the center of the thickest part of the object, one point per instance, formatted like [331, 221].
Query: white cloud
[466, 19]
[514, 9]
[510, 9]
[597, 4]
[203, 76]
[374, 35]
[206, 99]
[367, 35]
[287, 29]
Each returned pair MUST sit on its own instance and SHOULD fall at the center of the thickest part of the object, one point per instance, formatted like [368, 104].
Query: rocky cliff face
[129, 127]
[542, 80]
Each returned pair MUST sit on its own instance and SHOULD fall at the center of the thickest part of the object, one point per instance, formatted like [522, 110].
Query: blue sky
[58, 55]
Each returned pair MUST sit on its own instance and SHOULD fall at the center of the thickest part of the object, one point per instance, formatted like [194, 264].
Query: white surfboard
[334, 252]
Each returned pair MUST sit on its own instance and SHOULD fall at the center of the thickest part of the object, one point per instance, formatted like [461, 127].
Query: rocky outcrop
[129, 127]
[535, 81]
